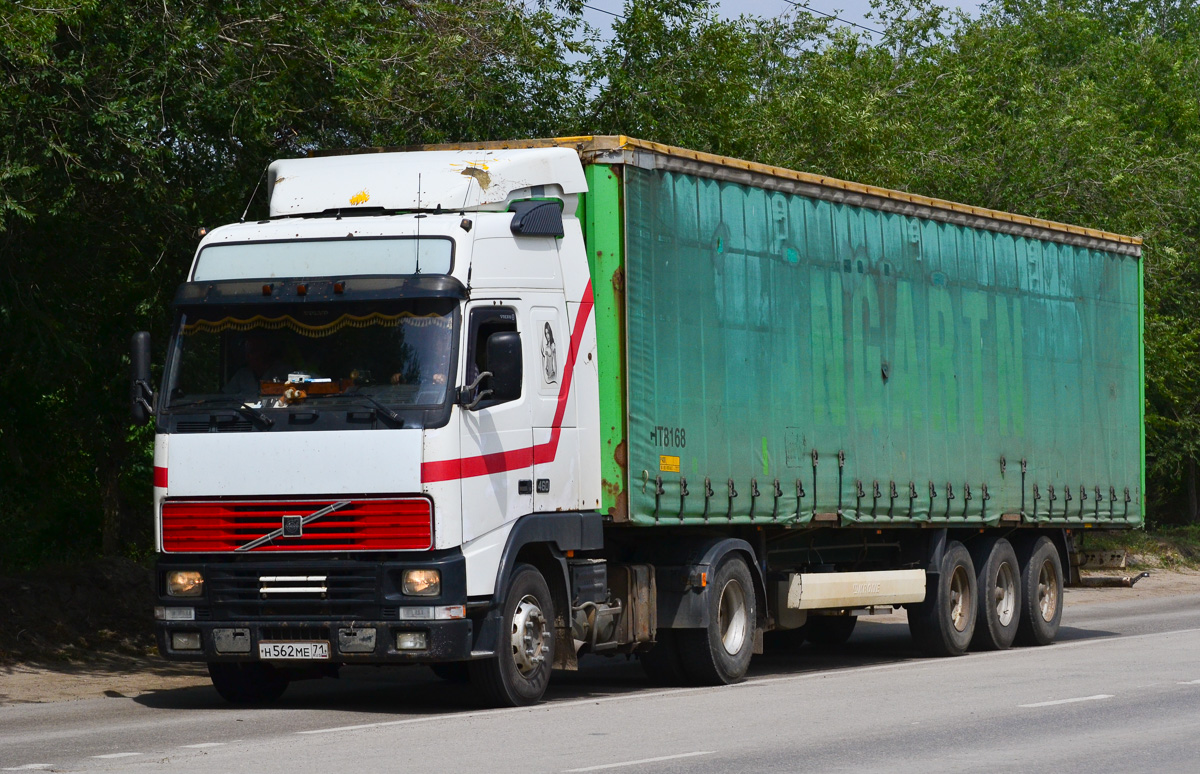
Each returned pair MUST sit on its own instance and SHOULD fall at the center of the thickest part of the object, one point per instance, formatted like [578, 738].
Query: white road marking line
[203, 744]
[30, 767]
[1097, 697]
[643, 760]
[491, 712]
[117, 755]
[920, 663]
[1190, 682]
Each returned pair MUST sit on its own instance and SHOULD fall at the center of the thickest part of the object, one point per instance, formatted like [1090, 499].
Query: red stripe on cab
[498, 462]
[160, 477]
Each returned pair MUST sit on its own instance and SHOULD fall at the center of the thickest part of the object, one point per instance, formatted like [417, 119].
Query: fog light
[185, 640]
[175, 613]
[410, 641]
[185, 583]
[422, 583]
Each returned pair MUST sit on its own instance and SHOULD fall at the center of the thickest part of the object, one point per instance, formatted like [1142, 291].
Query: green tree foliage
[1081, 111]
[124, 126]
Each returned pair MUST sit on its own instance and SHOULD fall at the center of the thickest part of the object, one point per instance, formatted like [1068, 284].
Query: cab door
[496, 437]
[555, 434]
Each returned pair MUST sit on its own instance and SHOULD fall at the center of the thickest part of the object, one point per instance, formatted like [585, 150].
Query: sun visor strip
[308, 291]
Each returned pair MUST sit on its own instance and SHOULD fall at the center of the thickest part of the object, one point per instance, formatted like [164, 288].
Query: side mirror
[504, 361]
[140, 393]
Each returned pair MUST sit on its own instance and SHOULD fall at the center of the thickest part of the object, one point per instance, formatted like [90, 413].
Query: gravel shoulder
[123, 675]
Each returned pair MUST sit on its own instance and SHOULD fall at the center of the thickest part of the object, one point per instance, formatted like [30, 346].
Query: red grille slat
[399, 524]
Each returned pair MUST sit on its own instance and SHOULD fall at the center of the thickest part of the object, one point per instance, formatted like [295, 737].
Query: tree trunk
[1193, 515]
[110, 500]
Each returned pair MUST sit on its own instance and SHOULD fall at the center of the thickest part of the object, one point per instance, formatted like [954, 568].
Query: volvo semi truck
[494, 407]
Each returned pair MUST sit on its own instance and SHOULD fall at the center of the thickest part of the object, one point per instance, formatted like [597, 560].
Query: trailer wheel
[247, 683]
[661, 663]
[719, 654]
[520, 671]
[829, 631]
[999, 586]
[944, 623]
[1042, 593]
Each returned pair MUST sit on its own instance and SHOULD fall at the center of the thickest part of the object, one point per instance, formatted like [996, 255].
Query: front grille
[214, 425]
[403, 524]
[241, 593]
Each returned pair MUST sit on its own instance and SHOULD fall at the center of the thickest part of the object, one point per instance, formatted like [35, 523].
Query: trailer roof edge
[629, 150]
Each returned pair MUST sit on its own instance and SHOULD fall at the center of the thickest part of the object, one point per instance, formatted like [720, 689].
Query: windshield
[397, 353]
[325, 258]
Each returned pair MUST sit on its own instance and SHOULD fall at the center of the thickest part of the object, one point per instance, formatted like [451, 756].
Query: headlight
[422, 583]
[185, 583]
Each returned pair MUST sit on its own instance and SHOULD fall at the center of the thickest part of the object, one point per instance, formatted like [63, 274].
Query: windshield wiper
[247, 410]
[382, 409]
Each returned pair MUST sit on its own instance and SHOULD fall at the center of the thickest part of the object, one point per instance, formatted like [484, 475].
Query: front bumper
[239, 640]
[353, 599]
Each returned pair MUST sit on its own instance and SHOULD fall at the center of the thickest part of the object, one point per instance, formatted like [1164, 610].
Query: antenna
[252, 193]
[417, 241]
[467, 193]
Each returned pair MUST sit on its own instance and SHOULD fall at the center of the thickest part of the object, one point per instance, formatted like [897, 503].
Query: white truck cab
[363, 394]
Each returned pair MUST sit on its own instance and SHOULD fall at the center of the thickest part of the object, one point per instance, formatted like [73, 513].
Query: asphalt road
[1120, 691]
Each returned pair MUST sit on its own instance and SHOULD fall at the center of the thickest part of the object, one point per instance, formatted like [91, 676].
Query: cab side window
[484, 323]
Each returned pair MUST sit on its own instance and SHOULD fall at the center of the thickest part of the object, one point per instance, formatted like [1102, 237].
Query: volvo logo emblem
[293, 526]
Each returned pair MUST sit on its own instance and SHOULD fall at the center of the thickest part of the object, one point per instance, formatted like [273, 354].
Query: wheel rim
[1005, 594]
[529, 635]
[732, 617]
[1047, 592]
[960, 603]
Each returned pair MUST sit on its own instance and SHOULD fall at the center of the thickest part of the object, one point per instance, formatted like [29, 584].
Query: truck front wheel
[1041, 593]
[247, 683]
[944, 623]
[520, 671]
[720, 653]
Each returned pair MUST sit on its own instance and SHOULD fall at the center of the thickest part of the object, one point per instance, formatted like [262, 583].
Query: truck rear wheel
[247, 683]
[944, 623]
[999, 586]
[719, 654]
[520, 671]
[829, 631]
[1041, 592]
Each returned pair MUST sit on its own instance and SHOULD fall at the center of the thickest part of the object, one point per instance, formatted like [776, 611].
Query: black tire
[248, 683]
[520, 671]
[451, 671]
[998, 584]
[829, 631]
[1041, 593]
[661, 663]
[944, 623]
[719, 654]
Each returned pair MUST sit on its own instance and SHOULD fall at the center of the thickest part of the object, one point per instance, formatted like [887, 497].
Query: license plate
[307, 651]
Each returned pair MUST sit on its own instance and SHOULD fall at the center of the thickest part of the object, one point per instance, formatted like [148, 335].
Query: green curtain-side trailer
[779, 348]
